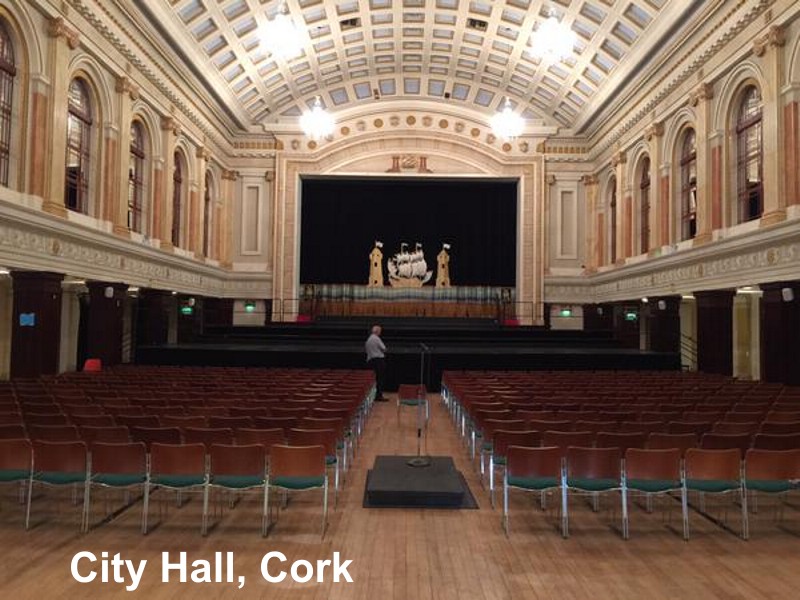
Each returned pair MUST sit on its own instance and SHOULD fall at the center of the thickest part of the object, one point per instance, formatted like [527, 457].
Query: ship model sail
[408, 269]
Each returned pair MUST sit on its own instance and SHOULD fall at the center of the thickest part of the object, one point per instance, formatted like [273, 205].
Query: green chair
[531, 470]
[716, 472]
[16, 462]
[119, 466]
[238, 469]
[178, 467]
[299, 468]
[775, 472]
[591, 471]
[58, 464]
[653, 473]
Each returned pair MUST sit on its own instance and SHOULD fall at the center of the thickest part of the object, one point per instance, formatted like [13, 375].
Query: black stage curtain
[342, 218]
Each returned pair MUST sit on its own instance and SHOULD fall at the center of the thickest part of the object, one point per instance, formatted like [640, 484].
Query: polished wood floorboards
[412, 554]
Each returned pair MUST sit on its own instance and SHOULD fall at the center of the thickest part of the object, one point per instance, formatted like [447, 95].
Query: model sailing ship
[408, 269]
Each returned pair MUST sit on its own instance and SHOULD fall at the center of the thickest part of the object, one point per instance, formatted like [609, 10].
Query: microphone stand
[422, 407]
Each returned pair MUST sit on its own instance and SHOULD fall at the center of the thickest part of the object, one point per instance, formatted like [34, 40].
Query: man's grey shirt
[374, 347]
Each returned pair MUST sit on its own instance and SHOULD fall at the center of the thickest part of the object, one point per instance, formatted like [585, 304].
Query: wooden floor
[414, 554]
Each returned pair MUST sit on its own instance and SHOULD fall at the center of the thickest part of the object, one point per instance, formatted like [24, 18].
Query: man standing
[376, 359]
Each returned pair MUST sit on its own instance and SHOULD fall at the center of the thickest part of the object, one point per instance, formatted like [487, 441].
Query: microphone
[424, 347]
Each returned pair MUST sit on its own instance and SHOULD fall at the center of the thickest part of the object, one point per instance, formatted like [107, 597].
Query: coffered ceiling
[467, 53]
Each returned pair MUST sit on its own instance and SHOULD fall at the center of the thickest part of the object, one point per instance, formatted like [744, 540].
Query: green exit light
[631, 316]
[566, 312]
[187, 310]
[249, 307]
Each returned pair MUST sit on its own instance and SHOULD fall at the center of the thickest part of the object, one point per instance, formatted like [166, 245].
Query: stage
[445, 344]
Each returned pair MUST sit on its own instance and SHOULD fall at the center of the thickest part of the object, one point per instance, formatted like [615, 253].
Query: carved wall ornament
[125, 86]
[704, 91]
[58, 28]
[655, 130]
[775, 38]
[171, 124]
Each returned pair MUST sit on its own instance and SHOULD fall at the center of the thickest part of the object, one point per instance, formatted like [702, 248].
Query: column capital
[203, 153]
[774, 38]
[619, 158]
[654, 130]
[58, 28]
[550, 179]
[171, 124]
[230, 175]
[590, 179]
[703, 92]
[125, 86]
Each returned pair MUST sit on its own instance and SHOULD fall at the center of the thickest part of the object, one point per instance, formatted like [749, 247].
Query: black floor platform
[392, 483]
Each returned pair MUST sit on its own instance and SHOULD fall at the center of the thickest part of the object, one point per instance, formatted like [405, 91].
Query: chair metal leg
[28, 508]
[745, 524]
[85, 511]
[685, 511]
[336, 486]
[625, 523]
[505, 505]
[204, 522]
[324, 508]
[146, 506]
[265, 513]
[564, 513]
[491, 479]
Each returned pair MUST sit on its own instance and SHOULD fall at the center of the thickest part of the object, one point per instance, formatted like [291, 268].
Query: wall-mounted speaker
[787, 294]
[108, 292]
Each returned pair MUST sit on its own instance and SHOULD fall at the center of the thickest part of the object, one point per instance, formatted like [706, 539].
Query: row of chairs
[647, 472]
[495, 447]
[267, 463]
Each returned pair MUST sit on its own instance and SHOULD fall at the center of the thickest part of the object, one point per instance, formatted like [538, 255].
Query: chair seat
[178, 481]
[297, 483]
[330, 460]
[9, 475]
[771, 486]
[412, 402]
[534, 483]
[58, 478]
[499, 460]
[237, 481]
[653, 485]
[592, 485]
[712, 485]
[118, 479]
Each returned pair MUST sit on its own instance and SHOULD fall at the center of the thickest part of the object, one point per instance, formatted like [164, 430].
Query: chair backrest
[183, 421]
[92, 420]
[207, 436]
[108, 435]
[331, 413]
[777, 441]
[46, 420]
[535, 415]
[290, 411]
[54, 433]
[138, 420]
[504, 438]
[263, 437]
[159, 435]
[230, 422]
[565, 439]
[772, 465]
[735, 427]
[411, 391]
[177, 459]
[285, 423]
[783, 416]
[125, 458]
[780, 427]
[720, 465]
[227, 459]
[15, 455]
[525, 461]
[327, 438]
[549, 424]
[11, 432]
[696, 427]
[743, 417]
[658, 465]
[664, 441]
[297, 461]
[59, 457]
[327, 423]
[492, 425]
[623, 441]
[725, 441]
[646, 427]
[596, 426]
[594, 463]
[248, 411]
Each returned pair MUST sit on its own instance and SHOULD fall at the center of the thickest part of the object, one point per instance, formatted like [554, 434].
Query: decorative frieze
[58, 28]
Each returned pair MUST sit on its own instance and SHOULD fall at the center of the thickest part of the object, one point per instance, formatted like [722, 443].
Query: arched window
[749, 156]
[688, 161]
[8, 71]
[79, 142]
[136, 161]
[644, 207]
[207, 208]
[612, 220]
[177, 198]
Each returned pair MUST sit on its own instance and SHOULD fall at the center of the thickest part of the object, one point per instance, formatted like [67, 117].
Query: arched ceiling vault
[469, 54]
